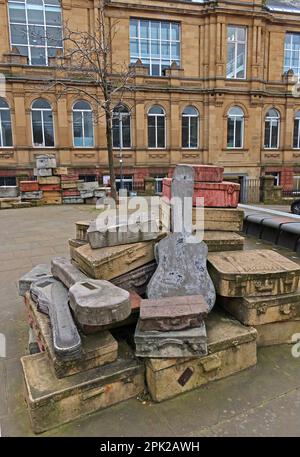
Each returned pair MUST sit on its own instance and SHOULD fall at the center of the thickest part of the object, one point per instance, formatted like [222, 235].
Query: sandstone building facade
[215, 83]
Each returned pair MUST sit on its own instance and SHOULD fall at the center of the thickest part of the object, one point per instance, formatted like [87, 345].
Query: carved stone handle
[133, 256]
[211, 363]
[92, 393]
[170, 341]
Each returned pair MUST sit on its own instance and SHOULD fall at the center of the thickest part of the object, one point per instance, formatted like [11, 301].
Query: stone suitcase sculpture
[207, 173]
[52, 402]
[114, 261]
[223, 241]
[263, 310]
[137, 279]
[97, 350]
[181, 270]
[122, 233]
[184, 343]
[66, 272]
[39, 272]
[99, 303]
[253, 273]
[231, 349]
[173, 313]
[52, 298]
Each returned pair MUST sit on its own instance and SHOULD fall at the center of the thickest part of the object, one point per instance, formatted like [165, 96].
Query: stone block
[221, 219]
[66, 272]
[51, 297]
[219, 195]
[69, 185]
[172, 313]
[44, 172]
[181, 270]
[172, 344]
[253, 273]
[275, 333]
[109, 263]
[99, 303]
[231, 349]
[29, 186]
[49, 180]
[71, 193]
[88, 186]
[60, 171]
[73, 200]
[122, 233]
[262, 310]
[53, 402]
[52, 198]
[37, 195]
[223, 241]
[74, 244]
[97, 350]
[45, 162]
[42, 271]
[207, 173]
[86, 194]
[50, 187]
[136, 280]
[17, 205]
[81, 228]
[9, 191]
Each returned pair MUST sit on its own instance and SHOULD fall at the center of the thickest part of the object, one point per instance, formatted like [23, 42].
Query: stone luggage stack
[222, 219]
[75, 374]
[260, 288]
[49, 183]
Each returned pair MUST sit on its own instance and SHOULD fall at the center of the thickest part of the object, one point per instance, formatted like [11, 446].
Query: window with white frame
[292, 53]
[121, 127]
[296, 133]
[236, 52]
[42, 124]
[83, 130]
[156, 127]
[155, 43]
[36, 29]
[190, 128]
[235, 128]
[272, 129]
[5, 125]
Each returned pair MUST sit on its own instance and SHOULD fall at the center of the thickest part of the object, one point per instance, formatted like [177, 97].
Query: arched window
[42, 124]
[190, 127]
[156, 127]
[5, 125]
[36, 29]
[235, 128]
[121, 127]
[272, 128]
[296, 136]
[83, 130]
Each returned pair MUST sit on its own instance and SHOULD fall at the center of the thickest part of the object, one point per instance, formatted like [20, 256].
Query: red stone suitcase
[29, 186]
[207, 173]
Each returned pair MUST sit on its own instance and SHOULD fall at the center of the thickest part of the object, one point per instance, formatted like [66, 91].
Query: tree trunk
[111, 156]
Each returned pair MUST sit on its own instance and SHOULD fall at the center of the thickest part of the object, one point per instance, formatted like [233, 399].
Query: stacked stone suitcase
[260, 288]
[221, 216]
[49, 183]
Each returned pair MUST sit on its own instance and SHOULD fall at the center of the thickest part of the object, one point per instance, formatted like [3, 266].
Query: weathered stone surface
[231, 349]
[45, 161]
[207, 173]
[86, 194]
[253, 273]
[182, 189]
[49, 180]
[99, 302]
[172, 313]
[137, 279]
[221, 219]
[44, 172]
[8, 191]
[72, 200]
[53, 402]
[29, 186]
[172, 344]
[37, 195]
[81, 228]
[74, 244]
[181, 270]
[66, 272]
[263, 310]
[275, 333]
[42, 271]
[113, 261]
[97, 350]
[52, 298]
[223, 241]
[122, 233]
[87, 186]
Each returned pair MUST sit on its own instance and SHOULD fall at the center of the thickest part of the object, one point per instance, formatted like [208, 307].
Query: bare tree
[88, 55]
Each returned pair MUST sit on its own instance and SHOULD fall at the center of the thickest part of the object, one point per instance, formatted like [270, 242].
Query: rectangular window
[8, 181]
[155, 43]
[236, 52]
[292, 53]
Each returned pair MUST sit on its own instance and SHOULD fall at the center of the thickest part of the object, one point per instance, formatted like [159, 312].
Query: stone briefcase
[231, 348]
[253, 273]
[109, 263]
[52, 402]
